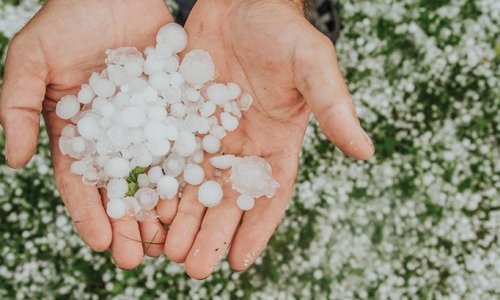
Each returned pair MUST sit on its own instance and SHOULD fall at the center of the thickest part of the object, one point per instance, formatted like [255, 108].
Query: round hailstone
[172, 64]
[116, 208]
[155, 131]
[150, 94]
[67, 107]
[229, 122]
[252, 176]
[68, 131]
[88, 128]
[207, 109]
[134, 67]
[160, 148]
[234, 90]
[197, 67]
[197, 157]
[164, 50]
[117, 74]
[155, 173]
[144, 160]
[193, 95]
[174, 165]
[173, 35]
[117, 188]
[210, 193]
[176, 79]
[218, 131]
[78, 167]
[178, 110]
[159, 81]
[117, 167]
[193, 174]
[218, 93]
[104, 88]
[185, 144]
[154, 63]
[222, 162]
[211, 144]
[132, 117]
[143, 180]
[171, 132]
[78, 144]
[147, 197]
[167, 187]
[245, 102]
[245, 202]
[133, 206]
[157, 113]
[172, 94]
[86, 94]
[106, 109]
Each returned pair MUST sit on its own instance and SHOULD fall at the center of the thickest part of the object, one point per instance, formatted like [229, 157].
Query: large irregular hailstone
[143, 127]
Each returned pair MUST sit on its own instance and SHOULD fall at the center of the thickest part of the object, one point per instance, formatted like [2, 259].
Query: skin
[51, 57]
[290, 69]
[265, 46]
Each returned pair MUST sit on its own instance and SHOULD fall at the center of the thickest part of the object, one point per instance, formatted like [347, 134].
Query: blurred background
[421, 220]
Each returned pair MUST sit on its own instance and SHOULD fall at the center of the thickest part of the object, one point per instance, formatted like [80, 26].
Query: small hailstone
[155, 131]
[132, 117]
[117, 74]
[167, 187]
[172, 64]
[159, 148]
[245, 102]
[210, 193]
[245, 202]
[137, 136]
[143, 180]
[88, 128]
[157, 113]
[235, 110]
[175, 79]
[174, 165]
[173, 35]
[104, 88]
[134, 67]
[78, 167]
[68, 131]
[144, 160]
[193, 174]
[218, 93]
[218, 131]
[164, 49]
[154, 173]
[178, 110]
[147, 197]
[229, 122]
[234, 90]
[207, 109]
[171, 132]
[197, 67]
[228, 107]
[133, 206]
[116, 208]
[67, 107]
[117, 188]
[185, 144]
[117, 167]
[172, 94]
[159, 81]
[252, 176]
[154, 63]
[211, 144]
[86, 94]
[78, 144]
[193, 95]
[149, 94]
[222, 162]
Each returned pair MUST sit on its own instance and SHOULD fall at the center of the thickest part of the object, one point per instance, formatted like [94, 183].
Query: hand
[290, 68]
[51, 57]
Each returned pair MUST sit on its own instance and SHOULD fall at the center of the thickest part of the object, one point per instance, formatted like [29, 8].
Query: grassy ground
[420, 221]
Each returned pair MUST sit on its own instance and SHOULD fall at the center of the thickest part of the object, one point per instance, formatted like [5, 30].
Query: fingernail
[369, 140]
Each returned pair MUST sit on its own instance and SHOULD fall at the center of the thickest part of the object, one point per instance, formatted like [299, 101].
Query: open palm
[272, 51]
[51, 57]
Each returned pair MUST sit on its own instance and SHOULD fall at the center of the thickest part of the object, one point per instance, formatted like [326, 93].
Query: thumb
[21, 99]
[319, 80]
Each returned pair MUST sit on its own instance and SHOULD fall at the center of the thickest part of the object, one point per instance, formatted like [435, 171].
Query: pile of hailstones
[142, 126]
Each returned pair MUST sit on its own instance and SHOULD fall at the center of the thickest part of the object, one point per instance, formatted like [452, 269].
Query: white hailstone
[104, 88]
[228, 107]
[234, 90]
[197, 67]
[218, 131]
[116, 208]
[193, 95]
[167, 187]
[245, 202]
[159, 81]
[106, 109]
[211, 144]
[137, 135]
[173, 35]
[132, 117]
[185, 144]
[137, 85]
[176, 79]
[222, 162]
[173, 94]
[147, 197]
[229, 122]
[207, 109]
[252, 176]
[117, 74]
[154, 63]
[235, 110]
[122, 55]
[159, 148]
[197, 157]
[154, 173]
[193, 174]
[117, 188]
[150, 94]
[134, 67]
[245, 102]
[68, 131]
[94, 77]
[121, 99]
[203, 126]
[133, 206]
[155, 131]
[174, 165]
[119, 137]
[178, 110]
[78, 144]
[86, 94]
[171, 132]
[144, 160]
[143, 180]
[78, 167]
[117, 167]
[136, 99]
[88, 128]
[192, 122]
[157, 113]
[218, 93]
[172, 64]
[210, 193]
[105, 123]
[67, 107]
[164, 50]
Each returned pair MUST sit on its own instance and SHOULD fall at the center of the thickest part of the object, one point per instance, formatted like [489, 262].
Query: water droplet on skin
[196, 252]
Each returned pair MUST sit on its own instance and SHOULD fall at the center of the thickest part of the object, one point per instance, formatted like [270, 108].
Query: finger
[182, 232]
[259, 223]
[320, 81]
[216, 232]
[153, 236]
[82, 201]
[21, 99]
[167, 209]
[126, 247]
